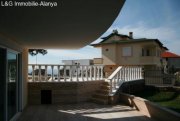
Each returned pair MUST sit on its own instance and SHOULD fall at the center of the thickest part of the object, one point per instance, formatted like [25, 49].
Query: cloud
[166, 34]
[163, 33]
[83, 53]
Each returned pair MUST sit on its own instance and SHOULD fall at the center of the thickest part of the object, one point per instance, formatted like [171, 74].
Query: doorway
[46, 97]
[9, 84]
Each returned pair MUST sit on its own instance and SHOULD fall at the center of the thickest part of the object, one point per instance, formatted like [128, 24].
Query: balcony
[149, 60]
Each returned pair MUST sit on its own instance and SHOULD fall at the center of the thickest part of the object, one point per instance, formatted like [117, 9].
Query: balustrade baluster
[118, 77]
[70, 72]
[94, 72]
[77, 73]
[87, 73]
[101, 72]
[111, 89]
[91, 73]
[64, 73]
[39, 73]
[58, 73]
[98, 73]
[52, 76]
[82, 73]
[33, 73]
[45, 74]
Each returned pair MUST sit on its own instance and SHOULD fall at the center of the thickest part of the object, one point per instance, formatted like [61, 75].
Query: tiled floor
[81, 112]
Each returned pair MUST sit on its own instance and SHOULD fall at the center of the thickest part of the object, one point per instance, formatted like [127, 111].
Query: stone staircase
[102, 95]
[109, 89]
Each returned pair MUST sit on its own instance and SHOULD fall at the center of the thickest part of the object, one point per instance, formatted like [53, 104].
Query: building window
[142, 52]
[127, 51]
[146, 52]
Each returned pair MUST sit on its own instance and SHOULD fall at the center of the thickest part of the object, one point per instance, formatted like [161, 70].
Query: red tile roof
[169, 55]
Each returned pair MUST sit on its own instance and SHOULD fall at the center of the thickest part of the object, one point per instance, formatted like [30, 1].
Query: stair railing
[122, 74]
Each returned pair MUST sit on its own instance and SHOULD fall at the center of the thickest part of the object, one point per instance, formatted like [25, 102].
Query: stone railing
[64, 73]
[122, 74]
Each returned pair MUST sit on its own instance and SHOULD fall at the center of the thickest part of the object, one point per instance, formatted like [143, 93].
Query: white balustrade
[122, 74]
[63, 73]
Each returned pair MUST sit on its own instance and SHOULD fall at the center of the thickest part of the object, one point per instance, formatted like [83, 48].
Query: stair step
[105, 83]
[100, 96]
[99, 101]
[105, 87]
[103, 91]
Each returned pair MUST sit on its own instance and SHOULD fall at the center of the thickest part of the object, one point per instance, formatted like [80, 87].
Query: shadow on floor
[82, 112]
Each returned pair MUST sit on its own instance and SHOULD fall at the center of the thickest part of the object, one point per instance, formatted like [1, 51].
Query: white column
[140, 72]
[101, 72]
[86, 73]
[65, 73]
[52, 76]
[118, 77]
[125, 73]
[58, 73]
[111, 89]
[94, 72]
[91, 73]
[77, 76]
[70, 72]
[82, 73]
[133, 75]
[98, 73]
[39, 73]
[45, 73]
[33, 73]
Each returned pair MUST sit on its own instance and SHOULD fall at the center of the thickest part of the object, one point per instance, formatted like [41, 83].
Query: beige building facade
[120, 49]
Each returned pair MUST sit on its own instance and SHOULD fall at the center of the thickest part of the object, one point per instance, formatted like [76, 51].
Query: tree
[34, 52]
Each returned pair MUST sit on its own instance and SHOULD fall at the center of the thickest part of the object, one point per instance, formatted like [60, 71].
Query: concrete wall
[149, 109]
[63, 92]
[132, 87]
[109, 54]
[7, 42]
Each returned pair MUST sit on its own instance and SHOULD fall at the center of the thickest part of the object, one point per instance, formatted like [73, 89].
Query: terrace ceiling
[72, 24]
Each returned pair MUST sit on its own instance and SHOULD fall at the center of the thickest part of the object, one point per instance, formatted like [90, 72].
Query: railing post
[45, 73]
[52, 76]
[82, 73]
[33, 67]
[102, 72]
[39, 74]
[77, 72]
[140, 72]
[98, 73]
[59, 78]
[70, 72]
[91, 73]
[94, 72]
[86, 73]
[118, 77]
[125, 73]
[111, 89]
[64, 73]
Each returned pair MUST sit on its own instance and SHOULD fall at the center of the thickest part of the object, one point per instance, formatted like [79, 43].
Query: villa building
[118, 49]
[171, 61]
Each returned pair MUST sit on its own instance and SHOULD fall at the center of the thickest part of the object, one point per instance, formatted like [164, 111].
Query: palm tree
[35, 52]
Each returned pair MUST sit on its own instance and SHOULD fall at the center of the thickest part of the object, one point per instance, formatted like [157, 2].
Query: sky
[155, 19]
